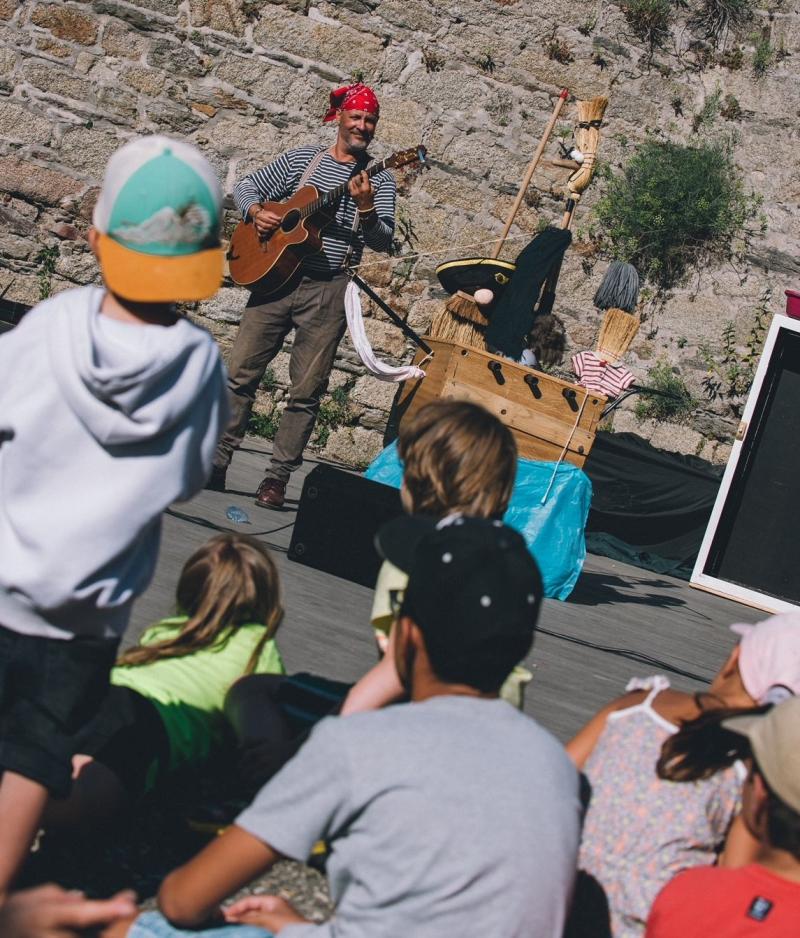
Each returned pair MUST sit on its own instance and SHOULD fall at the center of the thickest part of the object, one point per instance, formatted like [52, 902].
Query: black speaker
[337, 520]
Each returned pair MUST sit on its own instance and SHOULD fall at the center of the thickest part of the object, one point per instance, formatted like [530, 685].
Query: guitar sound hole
[290, 220]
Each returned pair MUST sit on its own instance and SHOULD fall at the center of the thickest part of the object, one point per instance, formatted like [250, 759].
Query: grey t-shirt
[455, 817]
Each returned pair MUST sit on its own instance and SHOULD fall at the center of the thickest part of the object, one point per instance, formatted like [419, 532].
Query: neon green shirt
[189, 692]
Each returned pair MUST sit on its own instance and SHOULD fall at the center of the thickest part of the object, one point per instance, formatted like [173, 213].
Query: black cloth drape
[513, 316]
[655, 502]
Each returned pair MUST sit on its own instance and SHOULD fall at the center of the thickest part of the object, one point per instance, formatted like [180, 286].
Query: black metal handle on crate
[497, 370]
[533, 383]
[571, 398]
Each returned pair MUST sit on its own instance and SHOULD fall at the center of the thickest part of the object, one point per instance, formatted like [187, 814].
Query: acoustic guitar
[272, 260]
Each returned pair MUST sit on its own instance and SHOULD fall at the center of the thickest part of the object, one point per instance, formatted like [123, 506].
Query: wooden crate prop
[544, 413]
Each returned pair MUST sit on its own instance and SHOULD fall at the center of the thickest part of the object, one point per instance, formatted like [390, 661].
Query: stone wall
[475, 81]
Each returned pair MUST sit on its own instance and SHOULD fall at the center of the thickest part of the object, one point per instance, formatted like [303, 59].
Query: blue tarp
[553, 529]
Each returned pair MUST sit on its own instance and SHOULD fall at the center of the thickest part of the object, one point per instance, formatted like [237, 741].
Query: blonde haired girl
[164, 709]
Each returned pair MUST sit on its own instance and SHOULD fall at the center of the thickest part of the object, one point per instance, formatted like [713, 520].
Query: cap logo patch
[759, 909]
[167, 226]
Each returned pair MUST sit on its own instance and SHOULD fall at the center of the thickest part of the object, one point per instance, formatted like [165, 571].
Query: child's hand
[52, 912]
[270, 912]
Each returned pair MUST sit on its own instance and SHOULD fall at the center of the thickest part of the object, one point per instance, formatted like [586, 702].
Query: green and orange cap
[158, 216]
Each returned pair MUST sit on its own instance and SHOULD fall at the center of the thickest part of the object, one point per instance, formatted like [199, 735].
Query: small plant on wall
[731, 369]
[675, 207]
[673, 401]
[649, 19]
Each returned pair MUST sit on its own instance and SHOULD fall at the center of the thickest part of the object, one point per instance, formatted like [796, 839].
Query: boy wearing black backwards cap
[762, 899]
[111, 405]
[451, 815]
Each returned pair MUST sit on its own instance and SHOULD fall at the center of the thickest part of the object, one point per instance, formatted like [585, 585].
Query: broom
[462, 304]
[618, 295]
[587, 140]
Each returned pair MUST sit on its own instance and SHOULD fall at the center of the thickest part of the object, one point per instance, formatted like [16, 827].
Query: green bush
[672, 207]
[264, 425]
[649, 19]
[332, 413]
[763, 56]
[674, 403]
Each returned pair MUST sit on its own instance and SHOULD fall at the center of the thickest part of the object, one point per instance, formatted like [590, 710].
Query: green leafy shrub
[649, 19]
[672, 207]
[731, 110]
[269, 382]
[716, 19]
[673, 403]
[264, 425]
[763, 56]
[46, 259]
[732, 59]
[332, 413]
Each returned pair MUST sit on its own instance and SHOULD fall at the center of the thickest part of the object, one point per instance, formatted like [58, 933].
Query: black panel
[756, 541]
[338, 518]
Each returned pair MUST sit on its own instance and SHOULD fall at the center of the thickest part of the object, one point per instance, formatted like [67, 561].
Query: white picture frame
[701, 579]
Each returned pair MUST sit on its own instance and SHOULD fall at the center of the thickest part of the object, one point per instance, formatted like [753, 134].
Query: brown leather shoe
[271, 493]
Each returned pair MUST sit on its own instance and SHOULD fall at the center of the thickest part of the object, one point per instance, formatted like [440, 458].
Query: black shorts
[49, 691]
[128, 736]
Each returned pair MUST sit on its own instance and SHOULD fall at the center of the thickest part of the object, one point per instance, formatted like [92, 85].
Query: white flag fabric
[355, 324]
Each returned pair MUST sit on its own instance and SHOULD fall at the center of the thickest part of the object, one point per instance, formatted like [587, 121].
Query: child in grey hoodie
[111, 405]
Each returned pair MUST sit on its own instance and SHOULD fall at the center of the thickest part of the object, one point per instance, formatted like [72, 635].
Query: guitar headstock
[404, 157]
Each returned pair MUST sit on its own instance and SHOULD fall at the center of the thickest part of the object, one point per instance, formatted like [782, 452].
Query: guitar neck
[327, 198]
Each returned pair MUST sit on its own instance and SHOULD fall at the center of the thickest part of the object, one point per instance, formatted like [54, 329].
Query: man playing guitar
[313, 302]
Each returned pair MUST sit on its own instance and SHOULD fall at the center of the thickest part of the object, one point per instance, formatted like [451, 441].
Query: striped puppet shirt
[280, 179]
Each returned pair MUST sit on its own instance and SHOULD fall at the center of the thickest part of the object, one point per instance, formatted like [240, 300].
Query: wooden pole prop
[464, 305]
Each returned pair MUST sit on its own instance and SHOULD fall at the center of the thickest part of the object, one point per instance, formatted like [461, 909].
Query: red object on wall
[793, 304]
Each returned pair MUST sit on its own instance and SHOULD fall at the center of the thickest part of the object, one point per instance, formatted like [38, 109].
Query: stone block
[226, 16]
[18, 289]
[118, 103]
[374, 394]
[168, 8]
[79, 267]
[257, 77]
[146, 80]
[676, 438]
[13, 220]
[226, 305]
[385, 338]
[29, 181]
[15, 247]
[18, 123]
[338, 379]
[88, 150]
[8, 8]
[280, 370]
[323, 41]
[353, 446]
[172, 118]
[51, 47]
[123, 42]
[53, 79]
[66, 23]
[177, 59]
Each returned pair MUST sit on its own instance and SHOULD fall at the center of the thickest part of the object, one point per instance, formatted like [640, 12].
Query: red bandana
[356, 97]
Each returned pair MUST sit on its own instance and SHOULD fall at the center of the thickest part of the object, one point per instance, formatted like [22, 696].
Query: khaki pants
[315, 310]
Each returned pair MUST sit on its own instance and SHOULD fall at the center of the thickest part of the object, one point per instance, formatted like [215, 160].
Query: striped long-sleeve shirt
[280, 178]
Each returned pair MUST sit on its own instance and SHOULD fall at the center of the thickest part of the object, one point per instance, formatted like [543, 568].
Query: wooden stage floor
[326, 627]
